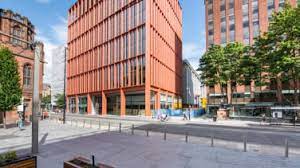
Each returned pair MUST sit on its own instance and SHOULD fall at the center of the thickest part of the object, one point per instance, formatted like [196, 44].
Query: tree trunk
[222, 93]
[296, 96]
[229, 95]
[4, 119]
[279, 90]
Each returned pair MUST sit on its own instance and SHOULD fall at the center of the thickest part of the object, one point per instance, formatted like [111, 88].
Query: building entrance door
[97, 105]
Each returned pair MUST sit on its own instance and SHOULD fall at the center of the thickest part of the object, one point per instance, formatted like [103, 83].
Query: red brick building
[15, 25]
[242, 20]
[125, 57]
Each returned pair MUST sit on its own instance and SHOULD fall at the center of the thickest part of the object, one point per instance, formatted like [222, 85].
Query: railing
[186, 136]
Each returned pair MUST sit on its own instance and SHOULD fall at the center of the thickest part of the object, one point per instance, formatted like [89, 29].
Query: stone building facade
[14, 25]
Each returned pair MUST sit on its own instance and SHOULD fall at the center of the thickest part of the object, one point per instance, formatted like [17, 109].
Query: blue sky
[50, 19]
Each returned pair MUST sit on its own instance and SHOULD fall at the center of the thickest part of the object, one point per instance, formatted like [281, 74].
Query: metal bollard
[108, 126]
[165, 134]
[71, 122]
[99, 125]
[147, 132]
[186, 137]
[286, 148]
[83, 123]
[245, 143]
[132, 129]
[212, 141]
[120, 127]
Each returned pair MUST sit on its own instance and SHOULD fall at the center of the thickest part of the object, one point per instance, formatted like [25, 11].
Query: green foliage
[10, 90]
[46, 100]
[6, 157]
[60, 101]
[277, 51]
[213, 66]
[234, 53]
[275, 56]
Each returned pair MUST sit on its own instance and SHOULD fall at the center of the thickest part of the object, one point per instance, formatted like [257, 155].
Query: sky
[50, 20]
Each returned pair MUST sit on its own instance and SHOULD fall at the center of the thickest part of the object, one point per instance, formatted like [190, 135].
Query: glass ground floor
[134, 103]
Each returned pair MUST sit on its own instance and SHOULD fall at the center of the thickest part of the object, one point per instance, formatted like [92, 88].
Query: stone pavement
[59, 143]
[126, 151]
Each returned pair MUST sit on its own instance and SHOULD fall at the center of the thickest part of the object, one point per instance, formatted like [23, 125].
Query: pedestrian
[189, 112]
[185, 115]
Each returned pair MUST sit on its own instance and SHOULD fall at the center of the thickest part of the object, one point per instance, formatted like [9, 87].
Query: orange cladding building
[124, 56]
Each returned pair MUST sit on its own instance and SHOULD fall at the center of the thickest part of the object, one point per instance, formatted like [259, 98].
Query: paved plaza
[59, 143]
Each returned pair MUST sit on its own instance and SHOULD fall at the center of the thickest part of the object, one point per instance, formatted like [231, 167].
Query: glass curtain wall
[82, 105]
[135, 104]
[113, 104]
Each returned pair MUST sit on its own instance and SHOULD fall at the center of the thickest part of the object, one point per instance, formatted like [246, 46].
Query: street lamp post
[36, 96]
[65, 104]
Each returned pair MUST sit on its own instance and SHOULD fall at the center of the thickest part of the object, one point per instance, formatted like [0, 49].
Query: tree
[279, 48]
[60, 100]
[233, 53]
[46, 101]
[213, 68]
[10, 90]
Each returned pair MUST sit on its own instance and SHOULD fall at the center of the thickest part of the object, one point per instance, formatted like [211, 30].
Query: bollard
[71, 122]
[120, 127]
[165, 134]
[212, 141]
[91, 123]
[99, 125]
[108, 126]
[83, 123]
[186, 137]
[76, 123]
[132, 129]
[245, 143]
[147, 132]
[286, 148]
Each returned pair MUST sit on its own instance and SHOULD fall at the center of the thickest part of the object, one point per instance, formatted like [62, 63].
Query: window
[144, 11]
[210, 40]
[82, 104]
[281, 4]
[112, 77]
[223, 24]
[223, 38]
[210, 24]
[27, 75]
[144, 40]
[133, 72]
[255, 28]
[17, 33]
[271, 4]
[72, 105]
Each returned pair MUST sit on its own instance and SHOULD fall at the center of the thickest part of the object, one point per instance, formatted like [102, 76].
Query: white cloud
[58, 37]
[60, 30]
[43, 1]
[192, 52]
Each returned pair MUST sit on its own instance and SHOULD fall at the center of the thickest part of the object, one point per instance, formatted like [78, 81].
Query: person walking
[189, 112]
[185, 115]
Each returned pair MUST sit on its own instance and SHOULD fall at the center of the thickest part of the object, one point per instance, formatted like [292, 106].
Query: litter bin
[215, 118]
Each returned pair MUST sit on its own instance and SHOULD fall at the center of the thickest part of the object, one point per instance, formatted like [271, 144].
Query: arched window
[27, 75]
[16, 32]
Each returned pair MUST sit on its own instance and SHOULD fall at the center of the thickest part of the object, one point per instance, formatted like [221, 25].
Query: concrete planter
[24, 162]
